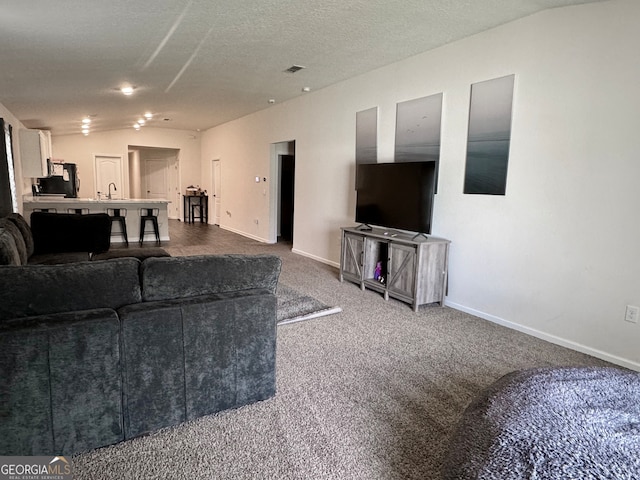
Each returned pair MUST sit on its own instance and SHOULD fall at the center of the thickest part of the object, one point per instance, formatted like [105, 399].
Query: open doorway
[153, 174]
[287, 195]
[283, 170]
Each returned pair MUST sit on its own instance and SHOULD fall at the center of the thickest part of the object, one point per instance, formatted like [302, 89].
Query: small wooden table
[190, 203]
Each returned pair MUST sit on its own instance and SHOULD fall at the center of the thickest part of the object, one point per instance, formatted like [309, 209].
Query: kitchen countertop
[132, 208]
[59, 199]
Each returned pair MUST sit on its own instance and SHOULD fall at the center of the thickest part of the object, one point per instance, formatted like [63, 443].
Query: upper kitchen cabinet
[35, 150]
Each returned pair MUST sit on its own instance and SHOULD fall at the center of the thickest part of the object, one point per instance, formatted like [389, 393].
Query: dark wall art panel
[489, 136]
[418, 124]
[366, 137]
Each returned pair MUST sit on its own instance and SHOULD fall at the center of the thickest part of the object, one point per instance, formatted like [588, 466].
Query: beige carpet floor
[373, 392]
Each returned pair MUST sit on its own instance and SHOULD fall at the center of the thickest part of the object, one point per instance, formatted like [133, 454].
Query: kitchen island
[59, 204]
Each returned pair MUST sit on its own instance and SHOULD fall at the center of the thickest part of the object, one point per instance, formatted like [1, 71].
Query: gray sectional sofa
[93, 353]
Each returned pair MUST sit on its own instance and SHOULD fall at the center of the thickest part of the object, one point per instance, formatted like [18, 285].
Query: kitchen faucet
[114, 189]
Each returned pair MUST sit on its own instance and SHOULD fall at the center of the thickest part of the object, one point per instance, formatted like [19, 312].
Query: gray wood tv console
[398, 264]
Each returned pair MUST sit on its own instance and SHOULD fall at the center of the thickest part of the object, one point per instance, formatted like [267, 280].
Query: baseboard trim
[623, 362]
[245, 234]
[314, 257]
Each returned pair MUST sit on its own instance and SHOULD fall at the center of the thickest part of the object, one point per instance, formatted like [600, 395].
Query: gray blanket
[555, 423]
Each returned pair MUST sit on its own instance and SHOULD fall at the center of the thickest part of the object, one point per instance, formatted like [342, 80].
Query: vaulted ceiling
[195, 64]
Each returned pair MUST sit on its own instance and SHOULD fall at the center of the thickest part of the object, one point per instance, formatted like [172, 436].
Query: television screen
[396, 195]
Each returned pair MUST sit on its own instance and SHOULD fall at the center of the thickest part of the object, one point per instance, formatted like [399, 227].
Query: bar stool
[118, 215]
[78, 211]
[196, 207]
[149, 214]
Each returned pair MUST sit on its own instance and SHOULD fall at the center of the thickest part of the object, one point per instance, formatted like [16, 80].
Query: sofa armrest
[68, 232]
[209, 353]
[60, 383]
[9, 253]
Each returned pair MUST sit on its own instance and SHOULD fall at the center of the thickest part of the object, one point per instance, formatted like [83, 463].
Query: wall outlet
[631, 314]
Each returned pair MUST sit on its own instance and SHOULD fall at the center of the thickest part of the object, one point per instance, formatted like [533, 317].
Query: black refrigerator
[67, 183]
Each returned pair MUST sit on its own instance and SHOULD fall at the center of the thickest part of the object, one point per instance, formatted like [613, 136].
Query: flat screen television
[396, 195]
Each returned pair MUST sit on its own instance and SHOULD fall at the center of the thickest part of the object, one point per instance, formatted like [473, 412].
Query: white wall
[135, 187]
[557, 256]
[80, 150]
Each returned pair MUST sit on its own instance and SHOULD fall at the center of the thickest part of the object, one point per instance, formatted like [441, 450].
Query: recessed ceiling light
[136, 126]
[128, 90]
[148, 115]
[142, 121]
[306, 89]
[86, 121]
[272, 101]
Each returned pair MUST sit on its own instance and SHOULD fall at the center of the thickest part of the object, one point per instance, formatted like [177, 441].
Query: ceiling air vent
[294, 69]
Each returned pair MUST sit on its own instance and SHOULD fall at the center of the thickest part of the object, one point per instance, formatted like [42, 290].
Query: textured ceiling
[201, 63]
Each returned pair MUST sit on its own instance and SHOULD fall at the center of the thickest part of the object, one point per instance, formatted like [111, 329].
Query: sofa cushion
[68, 232]
[139, 253]
[59, 258]
[24, 228]
[42, 289]
[11, 227]
[8, 250]
[180, 277]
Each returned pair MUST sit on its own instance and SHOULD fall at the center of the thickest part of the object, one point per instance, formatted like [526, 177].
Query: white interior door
[174, 208]
[156, 185]
[109, 170]
[216, 197]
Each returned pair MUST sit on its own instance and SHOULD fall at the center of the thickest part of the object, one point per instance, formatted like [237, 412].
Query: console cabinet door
[352, 256]
[432, 264]
[402, 271]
